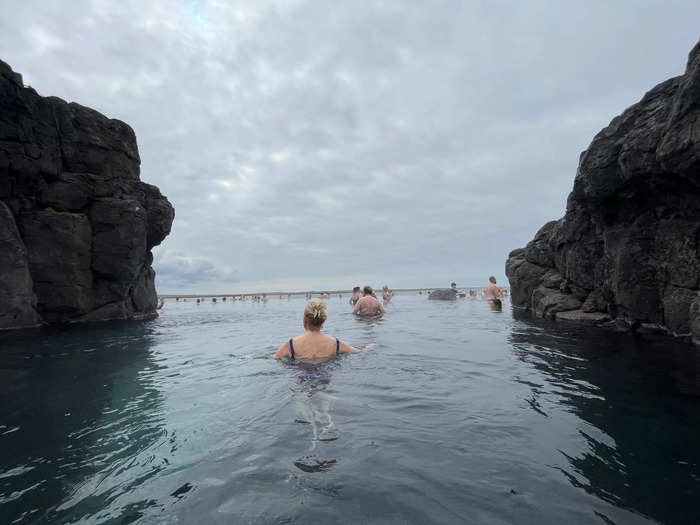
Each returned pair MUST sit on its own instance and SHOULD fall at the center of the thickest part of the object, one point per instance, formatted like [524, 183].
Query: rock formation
[626, 253]
[76, 223]
[443, 294]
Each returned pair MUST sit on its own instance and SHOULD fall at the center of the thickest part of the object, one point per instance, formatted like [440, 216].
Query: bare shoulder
[283, 351]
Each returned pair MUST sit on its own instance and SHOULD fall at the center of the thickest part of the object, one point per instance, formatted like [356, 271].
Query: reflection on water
[70, 413]
[641, 426]
[313, 399]
[457, 414]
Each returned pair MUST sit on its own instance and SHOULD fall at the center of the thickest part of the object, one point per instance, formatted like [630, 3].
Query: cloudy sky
[332, 143]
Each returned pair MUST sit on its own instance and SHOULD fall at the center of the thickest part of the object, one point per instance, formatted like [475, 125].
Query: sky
[326, 144]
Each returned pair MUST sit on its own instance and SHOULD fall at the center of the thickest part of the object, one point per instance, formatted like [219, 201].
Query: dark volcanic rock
[18, 304]
[76, 223]
[627, 249]
[579, 316]
[443, 294]
[695, 320]
[58, 244]
[547, 302]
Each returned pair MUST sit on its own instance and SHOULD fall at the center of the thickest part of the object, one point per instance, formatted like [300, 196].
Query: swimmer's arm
[346, 348]
[381, 308]
[283, 351]
[357, 307]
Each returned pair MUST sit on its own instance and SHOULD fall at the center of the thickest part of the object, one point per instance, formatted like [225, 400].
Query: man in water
[355, 295]
[368, 304]
[492, 292]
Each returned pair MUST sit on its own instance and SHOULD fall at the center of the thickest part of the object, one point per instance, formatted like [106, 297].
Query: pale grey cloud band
[412, 142]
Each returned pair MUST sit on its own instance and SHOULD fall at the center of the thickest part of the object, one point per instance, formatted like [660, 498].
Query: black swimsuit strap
[337, 346]
[291, 348]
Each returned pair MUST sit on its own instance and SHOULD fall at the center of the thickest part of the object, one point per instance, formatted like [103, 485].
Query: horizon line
[318, 292]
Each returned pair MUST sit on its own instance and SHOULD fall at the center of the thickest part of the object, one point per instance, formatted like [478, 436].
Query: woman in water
[313, 346]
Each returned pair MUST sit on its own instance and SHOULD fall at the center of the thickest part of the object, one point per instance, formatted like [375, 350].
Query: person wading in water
[313, 346]
[387, 294]
[368, 304]
[491, 294]
[356, 294]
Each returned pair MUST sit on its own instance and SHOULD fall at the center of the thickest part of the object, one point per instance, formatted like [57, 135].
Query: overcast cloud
[325, 144]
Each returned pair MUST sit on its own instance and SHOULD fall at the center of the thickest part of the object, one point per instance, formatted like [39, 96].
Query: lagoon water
[456, 414]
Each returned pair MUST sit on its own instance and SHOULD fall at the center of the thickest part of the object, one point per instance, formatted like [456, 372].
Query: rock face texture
[76, 223]
[627, 251]
[443, 294]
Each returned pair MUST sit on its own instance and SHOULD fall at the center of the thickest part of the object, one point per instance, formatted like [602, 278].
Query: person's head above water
[356, 289]
[453, 285]
[314, 315]
[492, 279]
[367, 290]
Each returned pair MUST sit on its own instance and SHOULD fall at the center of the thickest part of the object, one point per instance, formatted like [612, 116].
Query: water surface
[457, 414]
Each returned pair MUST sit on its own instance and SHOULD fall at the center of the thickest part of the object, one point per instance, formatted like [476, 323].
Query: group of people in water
[366, 303]
[491, 292]
[254, 298]
[366, 298]
[313, 346]
[386, 297]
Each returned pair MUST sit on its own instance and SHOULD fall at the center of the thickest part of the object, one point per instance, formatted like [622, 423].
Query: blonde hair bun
[315, 312]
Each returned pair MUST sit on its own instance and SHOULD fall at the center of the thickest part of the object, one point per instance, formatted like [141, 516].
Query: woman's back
[313, 346]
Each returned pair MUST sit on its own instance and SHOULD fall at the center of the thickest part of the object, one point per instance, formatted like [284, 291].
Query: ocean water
[455, 414]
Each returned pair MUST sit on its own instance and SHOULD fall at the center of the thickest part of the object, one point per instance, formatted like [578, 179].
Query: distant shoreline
[313, 292]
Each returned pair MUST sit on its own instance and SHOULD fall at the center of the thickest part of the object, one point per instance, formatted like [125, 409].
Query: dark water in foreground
[457, 415]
